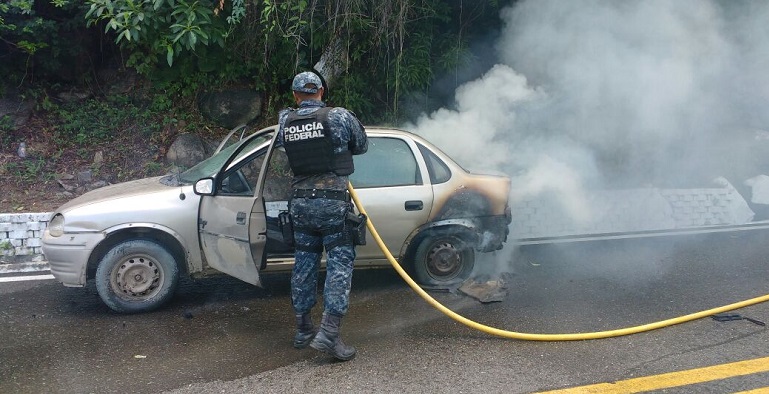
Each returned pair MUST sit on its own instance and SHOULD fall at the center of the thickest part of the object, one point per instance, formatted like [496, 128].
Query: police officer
[320, 142]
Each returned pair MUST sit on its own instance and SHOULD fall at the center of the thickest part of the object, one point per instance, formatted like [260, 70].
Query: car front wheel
[136, 276]
[443, 259]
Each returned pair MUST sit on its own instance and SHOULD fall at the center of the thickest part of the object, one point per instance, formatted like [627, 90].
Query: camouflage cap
[306, 82]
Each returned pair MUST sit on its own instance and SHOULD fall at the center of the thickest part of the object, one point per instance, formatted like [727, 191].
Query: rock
[73, 95]
[231, 108]
[66, 187]
[174, 169]
[18, 109]
[65, 177]
[119, 80]
[186, 151]
[84, 176]
[22, 151]
[97, 185]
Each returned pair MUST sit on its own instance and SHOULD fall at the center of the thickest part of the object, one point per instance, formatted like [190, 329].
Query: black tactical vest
[310, 150]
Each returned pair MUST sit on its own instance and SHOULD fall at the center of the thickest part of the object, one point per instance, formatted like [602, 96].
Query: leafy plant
[6, 126]
[162, 27]
[379, 51]
[32, 168]
[153, 168]
[41, 39]
[26, 170]
[7, 248]
[351, 94]
[100, 120]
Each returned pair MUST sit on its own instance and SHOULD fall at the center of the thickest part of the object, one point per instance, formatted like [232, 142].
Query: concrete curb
[23, 263]
[15, 268]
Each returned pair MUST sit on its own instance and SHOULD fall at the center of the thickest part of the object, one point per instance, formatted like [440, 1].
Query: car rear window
[439, 171]
[388, 162]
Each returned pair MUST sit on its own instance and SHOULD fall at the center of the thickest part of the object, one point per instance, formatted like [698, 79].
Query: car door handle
[414, 205]
[240, 218]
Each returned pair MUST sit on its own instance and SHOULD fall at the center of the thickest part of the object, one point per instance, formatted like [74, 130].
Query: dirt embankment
[53, 171]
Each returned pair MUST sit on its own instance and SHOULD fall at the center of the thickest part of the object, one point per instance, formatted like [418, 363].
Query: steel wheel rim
[444, 261]
[137, 278]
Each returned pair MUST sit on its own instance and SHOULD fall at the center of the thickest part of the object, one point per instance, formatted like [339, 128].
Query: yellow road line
[761, 390]
[674, 379]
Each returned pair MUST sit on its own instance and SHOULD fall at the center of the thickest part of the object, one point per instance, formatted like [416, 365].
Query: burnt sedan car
[136, 239]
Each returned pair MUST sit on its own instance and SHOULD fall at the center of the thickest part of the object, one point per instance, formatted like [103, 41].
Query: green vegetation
[383, 51]
[153, 167]
[100, 120]
[27, 170]
[42, 40]
[6, 126]
[121, 78]
[6, 248]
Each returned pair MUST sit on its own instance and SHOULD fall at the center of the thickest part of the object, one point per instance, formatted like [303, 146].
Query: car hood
[119, 191]
[143, 202]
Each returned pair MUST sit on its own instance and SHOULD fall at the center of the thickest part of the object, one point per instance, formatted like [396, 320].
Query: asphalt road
[222, 335]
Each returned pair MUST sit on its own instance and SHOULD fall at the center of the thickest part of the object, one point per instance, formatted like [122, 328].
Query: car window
[388, 162]
[439, 171]
[241, 179]
[212, 165]
[277, 183]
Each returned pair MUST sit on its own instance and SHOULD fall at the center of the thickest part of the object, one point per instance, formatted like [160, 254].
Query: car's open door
[231, 220]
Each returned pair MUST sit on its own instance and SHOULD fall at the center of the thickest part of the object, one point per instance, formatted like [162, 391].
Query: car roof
[384, 131]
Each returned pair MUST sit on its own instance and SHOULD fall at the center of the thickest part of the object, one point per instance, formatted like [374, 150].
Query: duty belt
[342, 195]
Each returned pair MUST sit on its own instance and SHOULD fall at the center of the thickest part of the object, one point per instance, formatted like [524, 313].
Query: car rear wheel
[137, 276]
[443, 259]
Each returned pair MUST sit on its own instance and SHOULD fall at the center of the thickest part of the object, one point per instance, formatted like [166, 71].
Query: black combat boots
[328, 339]
[305, 331]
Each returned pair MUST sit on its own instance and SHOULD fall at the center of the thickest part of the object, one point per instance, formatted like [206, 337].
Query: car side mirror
[204, 187]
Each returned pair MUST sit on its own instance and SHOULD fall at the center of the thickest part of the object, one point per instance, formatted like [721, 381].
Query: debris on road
[485, 291]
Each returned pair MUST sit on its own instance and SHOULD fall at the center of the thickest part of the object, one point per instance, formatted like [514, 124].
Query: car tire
[137, 276]
[443, 259]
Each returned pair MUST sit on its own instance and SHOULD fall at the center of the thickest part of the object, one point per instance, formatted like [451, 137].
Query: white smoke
[599, 94]
[474, 124]
[606, 93]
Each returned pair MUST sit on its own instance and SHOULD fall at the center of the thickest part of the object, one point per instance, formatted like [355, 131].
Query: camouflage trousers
[320, 223]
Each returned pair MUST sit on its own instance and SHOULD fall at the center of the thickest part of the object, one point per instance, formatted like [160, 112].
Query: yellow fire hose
[539, 337]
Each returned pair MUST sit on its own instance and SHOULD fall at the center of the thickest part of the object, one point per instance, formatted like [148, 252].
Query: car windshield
[212, 165]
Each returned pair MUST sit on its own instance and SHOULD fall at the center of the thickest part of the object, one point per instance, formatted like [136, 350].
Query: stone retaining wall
[21, 233]
[631, 210]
